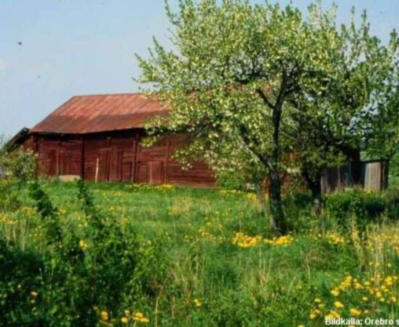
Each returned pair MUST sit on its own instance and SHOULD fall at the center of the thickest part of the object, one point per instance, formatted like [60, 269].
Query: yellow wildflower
[252, 197]
[197, 303]
[83, 245]
[138, 316]
[34, 294]
[124, 320]
[314, 314]
[332, 315]
[335, 292]
[338, 304]
[355, 312]
[104, 315]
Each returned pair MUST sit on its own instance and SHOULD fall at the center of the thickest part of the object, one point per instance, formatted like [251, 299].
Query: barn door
[104, 165]
[116, 165]
[151, 172]
[155, 172]
[52, 163]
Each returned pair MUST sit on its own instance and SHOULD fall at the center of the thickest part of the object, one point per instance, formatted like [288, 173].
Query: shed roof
[99, 113]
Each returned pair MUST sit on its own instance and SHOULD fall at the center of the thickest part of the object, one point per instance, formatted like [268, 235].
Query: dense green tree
[248, 83]
[333, 125]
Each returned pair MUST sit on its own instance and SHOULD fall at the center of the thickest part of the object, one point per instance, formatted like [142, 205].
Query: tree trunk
[260, 195]
[314, 185]
[277, 219]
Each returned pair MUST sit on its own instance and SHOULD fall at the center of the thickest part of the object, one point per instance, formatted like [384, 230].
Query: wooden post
[97, 167]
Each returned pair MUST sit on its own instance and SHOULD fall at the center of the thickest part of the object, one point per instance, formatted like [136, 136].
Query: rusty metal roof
[99, 113]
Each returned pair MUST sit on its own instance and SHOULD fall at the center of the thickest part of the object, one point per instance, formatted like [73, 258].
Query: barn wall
[61, 156]
[116, 157]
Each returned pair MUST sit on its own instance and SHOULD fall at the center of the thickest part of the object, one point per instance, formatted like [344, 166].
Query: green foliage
[362, 205]
[18, 164]
[169, 253]
[73, 273]
[230, 180]
[250, 83]
[9, 195]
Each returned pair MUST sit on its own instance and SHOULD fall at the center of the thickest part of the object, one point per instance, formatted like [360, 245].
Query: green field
[168, 256]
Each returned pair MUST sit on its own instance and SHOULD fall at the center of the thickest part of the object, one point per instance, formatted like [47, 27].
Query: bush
[392, 201]
[230, 181]
[78, 273]
[18, 164]
[365, 206]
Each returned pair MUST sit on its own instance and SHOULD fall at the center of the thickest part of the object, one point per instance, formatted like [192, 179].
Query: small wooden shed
[373, 176]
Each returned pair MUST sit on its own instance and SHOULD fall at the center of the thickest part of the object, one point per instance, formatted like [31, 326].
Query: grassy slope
[213, 282]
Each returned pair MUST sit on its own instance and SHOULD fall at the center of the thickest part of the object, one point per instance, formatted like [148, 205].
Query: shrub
[365, 206]
[392, 202]
[78, 273]
[230, 181]
[18, 164]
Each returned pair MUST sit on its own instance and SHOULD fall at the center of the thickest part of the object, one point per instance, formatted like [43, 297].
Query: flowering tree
[238, 78]
[350, 112]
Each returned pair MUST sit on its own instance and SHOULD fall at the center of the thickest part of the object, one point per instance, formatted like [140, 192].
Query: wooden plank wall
[117, 157]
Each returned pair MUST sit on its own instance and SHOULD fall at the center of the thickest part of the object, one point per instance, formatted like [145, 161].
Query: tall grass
[216, 264]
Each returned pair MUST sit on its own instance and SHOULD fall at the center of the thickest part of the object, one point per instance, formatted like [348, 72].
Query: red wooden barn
[97, 137]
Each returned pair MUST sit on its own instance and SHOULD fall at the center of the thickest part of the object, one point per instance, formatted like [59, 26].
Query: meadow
[74, 254]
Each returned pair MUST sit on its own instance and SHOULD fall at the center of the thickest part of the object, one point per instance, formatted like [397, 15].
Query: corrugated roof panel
[100, 113]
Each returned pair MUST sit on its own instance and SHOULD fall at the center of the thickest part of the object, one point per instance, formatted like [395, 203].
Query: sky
[51, 50]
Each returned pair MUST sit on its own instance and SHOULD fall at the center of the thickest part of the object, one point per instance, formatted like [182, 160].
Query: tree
[381, 128]
[231, 79]
[329, 120]
[354, 102]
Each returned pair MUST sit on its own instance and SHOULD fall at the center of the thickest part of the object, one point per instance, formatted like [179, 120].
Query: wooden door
[52, 167]
[104, 165]
[151, 172]
[116, 164]
[155, 172]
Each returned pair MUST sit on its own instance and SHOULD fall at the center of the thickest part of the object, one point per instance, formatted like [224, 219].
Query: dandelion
[104, 315]
[335, 292]
[251, 197]
[197, 303]
[317, 300]
[355, 312]
[332, 315]
[124, 320]
[338, 305]
[365, 298]
[138, 316]
[83, 245]
[314, 314]
[245, 241]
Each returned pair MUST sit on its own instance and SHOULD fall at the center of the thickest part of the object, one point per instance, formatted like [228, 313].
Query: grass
[220, 265]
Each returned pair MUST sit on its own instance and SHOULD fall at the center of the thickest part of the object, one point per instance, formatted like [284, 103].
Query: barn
[98, 138]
